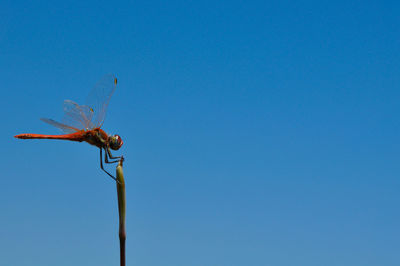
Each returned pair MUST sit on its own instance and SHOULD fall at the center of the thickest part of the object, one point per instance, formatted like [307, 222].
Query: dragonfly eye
[115, 142]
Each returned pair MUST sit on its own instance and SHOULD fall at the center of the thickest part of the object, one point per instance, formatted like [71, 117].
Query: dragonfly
[83, 122]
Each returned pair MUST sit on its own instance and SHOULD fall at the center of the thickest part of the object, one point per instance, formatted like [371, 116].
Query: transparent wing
[91, 115]
[65, 128]
[99, 97]
[77, 116]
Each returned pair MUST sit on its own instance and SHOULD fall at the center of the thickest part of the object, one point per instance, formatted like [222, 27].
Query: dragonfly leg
[106, 158]
[111, 156]
[101, 165]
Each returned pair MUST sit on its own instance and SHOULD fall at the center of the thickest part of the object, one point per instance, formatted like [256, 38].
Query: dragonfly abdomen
[78, 136]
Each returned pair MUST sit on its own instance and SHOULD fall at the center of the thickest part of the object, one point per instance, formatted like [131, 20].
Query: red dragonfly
[83, 122]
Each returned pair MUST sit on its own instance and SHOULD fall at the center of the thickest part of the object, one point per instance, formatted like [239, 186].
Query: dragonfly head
[115, 142]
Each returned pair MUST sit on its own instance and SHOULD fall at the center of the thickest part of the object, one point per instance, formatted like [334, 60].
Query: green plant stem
[121, 210]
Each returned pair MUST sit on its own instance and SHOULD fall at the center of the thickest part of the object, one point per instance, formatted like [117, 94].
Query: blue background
[256, 133]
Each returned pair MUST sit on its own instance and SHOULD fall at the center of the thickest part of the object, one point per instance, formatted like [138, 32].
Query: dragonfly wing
[65, 128]
[77, 116]
[99, 97]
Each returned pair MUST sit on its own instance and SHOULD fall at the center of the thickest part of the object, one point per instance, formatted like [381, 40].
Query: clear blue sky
[256, 133]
